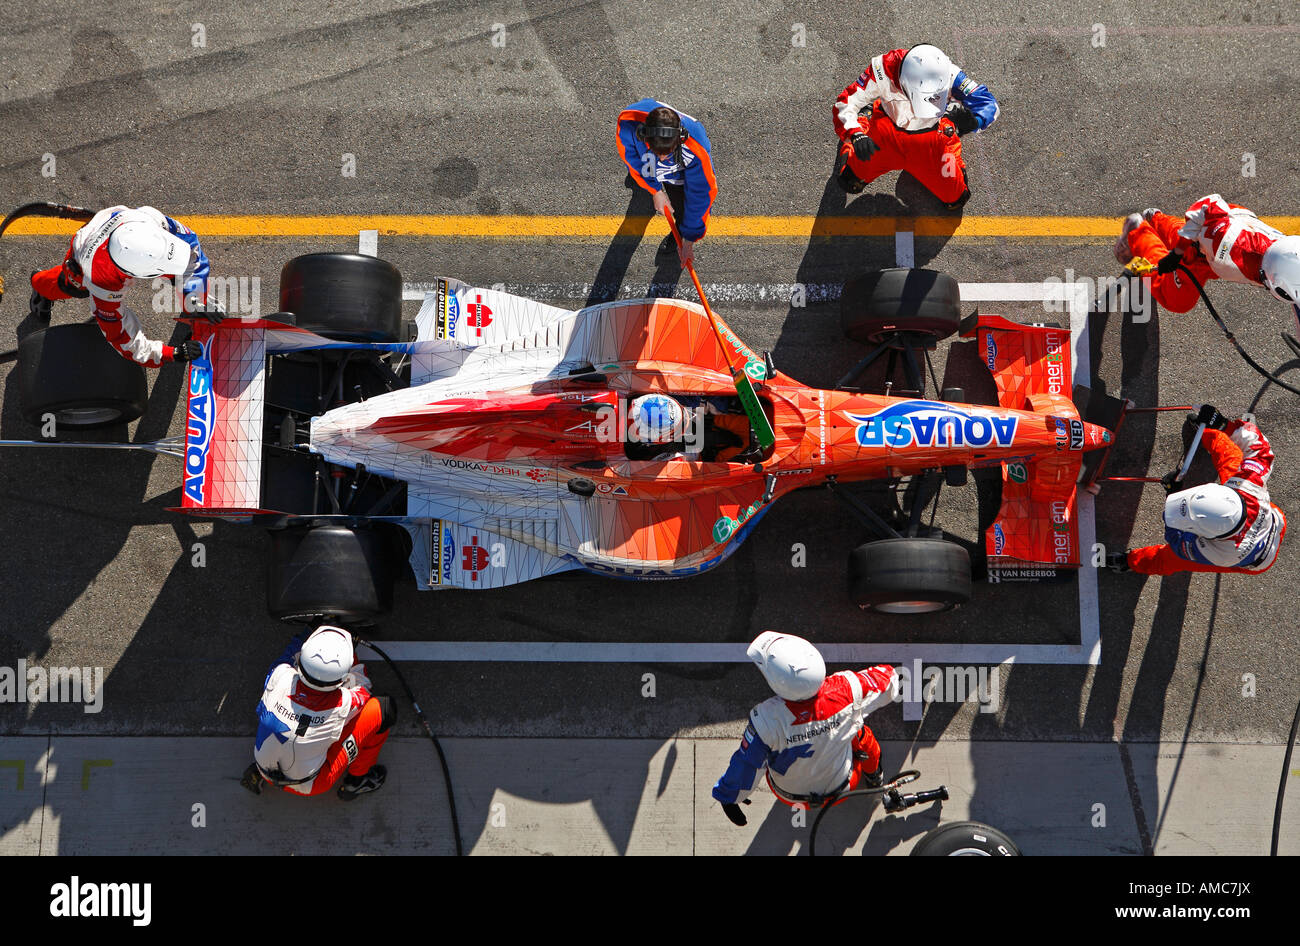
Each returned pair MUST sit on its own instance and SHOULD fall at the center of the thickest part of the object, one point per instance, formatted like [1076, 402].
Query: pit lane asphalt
[97, 573]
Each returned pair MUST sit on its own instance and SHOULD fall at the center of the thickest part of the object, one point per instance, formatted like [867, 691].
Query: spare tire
[72, 372]
[877, 304]
[344, 295]
[965, 838]
[909, 576]
[330, 572]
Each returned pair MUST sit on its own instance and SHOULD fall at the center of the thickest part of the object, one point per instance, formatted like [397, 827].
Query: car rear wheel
[883, 302]
[345, 296]
[330, 572]
[72, 372]
[909, 576]
[965, 839]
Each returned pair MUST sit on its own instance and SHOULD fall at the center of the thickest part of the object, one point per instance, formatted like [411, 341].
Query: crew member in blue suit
[667, 153]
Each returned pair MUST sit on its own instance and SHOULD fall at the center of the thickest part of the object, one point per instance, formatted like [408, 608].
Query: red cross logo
[479, 315]
[474, 558]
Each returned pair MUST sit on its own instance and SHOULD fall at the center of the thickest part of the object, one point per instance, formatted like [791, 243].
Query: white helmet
[1210, 511]
[792, 667]
[143, 249]
[325, 658]
[926, 76]
[656, 418]
[1280, 269]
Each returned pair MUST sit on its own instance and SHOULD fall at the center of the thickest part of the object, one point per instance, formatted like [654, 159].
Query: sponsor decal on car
[198, 428]
[1060, 532]
[479, 316]
[999, 538]
[1055, 363]
[443, 545]
[1017, 472]
[474, 558]
[448, 312]
[990, 352]
[930, 424]
[726, 527]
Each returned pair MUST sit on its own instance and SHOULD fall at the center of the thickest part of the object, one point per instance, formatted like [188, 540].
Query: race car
[491, 434]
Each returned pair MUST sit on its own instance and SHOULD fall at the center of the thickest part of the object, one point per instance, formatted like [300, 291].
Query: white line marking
[1088, 651]
[615, 652]
[368, 244]
[905, 253]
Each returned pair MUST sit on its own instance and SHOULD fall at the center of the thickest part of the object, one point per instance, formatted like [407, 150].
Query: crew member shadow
[612, 272]
[810, 338]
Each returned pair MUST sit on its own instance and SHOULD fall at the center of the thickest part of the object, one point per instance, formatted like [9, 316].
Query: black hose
[446, 772]
[1281, 785]
[902, 778]
[1232, 338]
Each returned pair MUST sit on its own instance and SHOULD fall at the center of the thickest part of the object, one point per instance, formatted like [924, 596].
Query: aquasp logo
[198, 428]
[990, 352]
[932, 424]
[999, 539]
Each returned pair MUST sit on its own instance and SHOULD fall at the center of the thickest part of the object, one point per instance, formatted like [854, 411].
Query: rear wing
[1035, 536]
[222, 470]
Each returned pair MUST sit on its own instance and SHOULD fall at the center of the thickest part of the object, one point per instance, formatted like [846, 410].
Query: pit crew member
[920, 107]
[117, 245]
[318, 723]
[1214, 240]
[668, 153]
[1229, 526]
[811, 737]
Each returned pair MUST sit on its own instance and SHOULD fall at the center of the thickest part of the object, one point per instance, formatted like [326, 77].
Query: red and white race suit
[808, 746]
[1216, 239]
[1244, 461]
[307, 738]
[88, 266]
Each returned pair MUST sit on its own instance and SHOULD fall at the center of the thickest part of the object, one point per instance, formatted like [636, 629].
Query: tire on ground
[72, 372]
[345, 296]
[909, 576]
[330, 571]
[876, 304]
[965, 838]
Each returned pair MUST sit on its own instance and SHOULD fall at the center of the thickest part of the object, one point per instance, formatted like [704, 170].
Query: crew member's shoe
[39, 307]
[1123, 253]
[849, 182]
[354, 785]
[1118, 562]
[252, 779]
[960, 202]
[874, 779]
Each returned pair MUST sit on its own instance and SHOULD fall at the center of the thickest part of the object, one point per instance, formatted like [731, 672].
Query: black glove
[734, 813]
[187, 351]
[1209, 416]
[1168, 263]
[1170, 482]
[963, 118]
[863, 146]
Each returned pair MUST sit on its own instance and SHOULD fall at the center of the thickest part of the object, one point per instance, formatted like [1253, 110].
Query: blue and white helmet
[655, 418]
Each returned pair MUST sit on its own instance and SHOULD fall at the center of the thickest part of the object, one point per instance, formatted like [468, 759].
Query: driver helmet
[656, 418]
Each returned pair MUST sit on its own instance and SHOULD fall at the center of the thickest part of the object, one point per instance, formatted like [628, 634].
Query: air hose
[1281, 785]
[442, 758]
[897, 803]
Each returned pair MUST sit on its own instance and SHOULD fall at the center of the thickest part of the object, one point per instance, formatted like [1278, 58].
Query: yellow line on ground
[517, 227]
